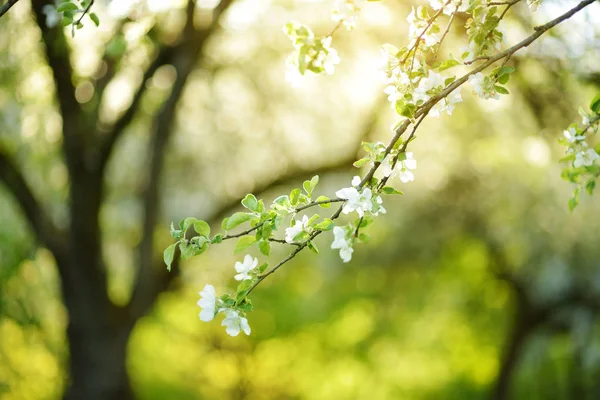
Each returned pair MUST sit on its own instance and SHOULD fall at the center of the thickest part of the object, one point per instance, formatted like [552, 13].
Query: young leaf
[595, 104]
[390, 190]
[325, 225]
[250, 202]
[236, 219]
[323, 198]
[202, 228]
[67, 6]
[313, 247]
[243, 243]
[168, 255]
[187, 251]
[264, 246]
[95, 19]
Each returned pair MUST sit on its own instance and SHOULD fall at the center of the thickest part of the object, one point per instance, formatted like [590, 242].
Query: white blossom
[52, 16]
[342, 242]
[446, 104]
[208, 303]
[243, 268]
[401, 169]
[293, 231]
[378, 206]
[418, 27]
[454, 5]
[235, 323]
[330, 61]
[585, 158]
[347, 11]
[355, 200]
[432, 81]
[483, 86]
[533, 4]
[572, 136]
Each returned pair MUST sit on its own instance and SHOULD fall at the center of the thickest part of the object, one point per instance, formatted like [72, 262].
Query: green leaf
[250, 202]
[202, 228]
[66, 21]
[264, 246]
[313, 219]
[500, 89]
[243, 243]
[262, 268]
[363, 237]
[246, 306]
[313, 247]
[235, 220]
[595, 104]
[448, 64]
[573, 203]
[187, 251]
[503, 79]
[168, 255]
[186, 223]
[294, 196]
[323, 198]
[325, 225]
[218, 238]
[245, 285]
[589, 187]
[361, 162]
[67, 6]
[390, 190]
[95, 19]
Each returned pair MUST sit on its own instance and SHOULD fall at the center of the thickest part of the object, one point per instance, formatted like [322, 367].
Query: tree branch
[58, 54]
[185, 56]
[47, 234]
[106, 146]
[5, 7]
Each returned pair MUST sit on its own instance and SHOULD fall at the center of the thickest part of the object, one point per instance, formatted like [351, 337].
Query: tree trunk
[97, 362]
[523, 326]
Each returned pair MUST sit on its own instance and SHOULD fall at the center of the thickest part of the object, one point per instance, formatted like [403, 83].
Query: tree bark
[512, 352]
[98, 351]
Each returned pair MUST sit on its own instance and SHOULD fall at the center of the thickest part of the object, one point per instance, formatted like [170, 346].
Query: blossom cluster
[234, 321]
[416, 85]
[582, 159]
[310, 54]
[347, 12]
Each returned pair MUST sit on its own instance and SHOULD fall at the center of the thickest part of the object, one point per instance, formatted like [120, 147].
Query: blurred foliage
[422, 312]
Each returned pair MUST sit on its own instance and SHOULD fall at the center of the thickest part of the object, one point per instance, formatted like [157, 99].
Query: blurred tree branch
[184, 58]
[58, 56]
[44, 229]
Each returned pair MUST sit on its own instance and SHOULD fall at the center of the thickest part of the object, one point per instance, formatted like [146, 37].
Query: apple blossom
[208, 303]
[243, 268]
[235, 323]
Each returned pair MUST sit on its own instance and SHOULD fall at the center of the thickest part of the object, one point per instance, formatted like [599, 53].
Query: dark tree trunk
[97, 361]
[526, 321]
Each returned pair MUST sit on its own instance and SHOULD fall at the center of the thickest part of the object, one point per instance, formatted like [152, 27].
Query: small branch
[57, 53]
[590, 124]
[284, 242]
[5, 7]
[85, 11]
[164, 56]
[247, 231]
[316, 203]
[45, 231]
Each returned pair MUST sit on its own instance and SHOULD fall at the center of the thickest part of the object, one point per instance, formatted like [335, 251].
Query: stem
[5, 7]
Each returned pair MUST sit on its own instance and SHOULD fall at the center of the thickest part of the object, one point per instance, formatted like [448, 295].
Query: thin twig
[5, 7]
